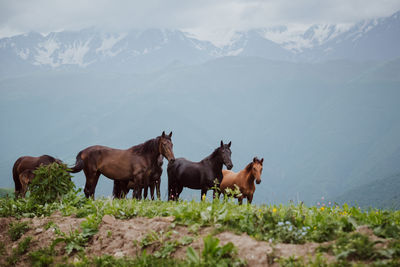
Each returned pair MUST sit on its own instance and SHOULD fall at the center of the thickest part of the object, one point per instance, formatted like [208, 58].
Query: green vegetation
[20, 250]
[214, 255]
[295, 224]
[17, 229]
[51, 182]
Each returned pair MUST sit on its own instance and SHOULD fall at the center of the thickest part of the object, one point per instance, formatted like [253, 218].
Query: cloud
[207, 16]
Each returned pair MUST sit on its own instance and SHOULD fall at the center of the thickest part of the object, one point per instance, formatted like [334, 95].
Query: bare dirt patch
[123, 238]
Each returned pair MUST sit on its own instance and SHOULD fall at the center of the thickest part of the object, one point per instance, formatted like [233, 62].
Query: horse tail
[17, 182]
[79, 164]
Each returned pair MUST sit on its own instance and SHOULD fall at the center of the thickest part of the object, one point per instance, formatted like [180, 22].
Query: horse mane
[147, 147]
[249, 166]
[212, 155]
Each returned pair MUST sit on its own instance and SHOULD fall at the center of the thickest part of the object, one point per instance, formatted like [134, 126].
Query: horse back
[228, 179]
[189, 174]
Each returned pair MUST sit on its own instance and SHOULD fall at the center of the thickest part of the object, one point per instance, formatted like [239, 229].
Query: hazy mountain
[153, 49]
[382, 193]
[322, 128]
[374, 39]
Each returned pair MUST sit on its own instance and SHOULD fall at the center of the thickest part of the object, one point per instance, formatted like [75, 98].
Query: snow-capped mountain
[145, 50]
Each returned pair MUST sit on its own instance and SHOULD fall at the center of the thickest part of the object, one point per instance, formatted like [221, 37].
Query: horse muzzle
[258, 181]
[229, 166]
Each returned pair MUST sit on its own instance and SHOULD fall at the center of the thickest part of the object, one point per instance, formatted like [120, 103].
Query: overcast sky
[203, 17]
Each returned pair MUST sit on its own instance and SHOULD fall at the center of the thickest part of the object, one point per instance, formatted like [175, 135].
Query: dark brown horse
[122, 165]
[198, 175]
[244, 180]
[23, 171]
[153, 181]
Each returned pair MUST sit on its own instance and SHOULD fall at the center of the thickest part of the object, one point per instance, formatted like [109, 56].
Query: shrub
[51, 182]
[17, 229]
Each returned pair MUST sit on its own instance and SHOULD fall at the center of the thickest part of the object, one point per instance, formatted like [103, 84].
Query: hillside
[106, 232]
[382, 193]
[322, 128]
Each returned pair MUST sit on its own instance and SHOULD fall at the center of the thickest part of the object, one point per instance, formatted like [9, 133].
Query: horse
[23, 171]
[244, 180]
[122, 165]
[198, 175]
[153, 181]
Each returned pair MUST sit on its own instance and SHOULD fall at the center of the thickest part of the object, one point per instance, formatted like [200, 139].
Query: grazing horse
[23, 171]
[244, 180]
[198, 175]
[153, 181]
[122, 165]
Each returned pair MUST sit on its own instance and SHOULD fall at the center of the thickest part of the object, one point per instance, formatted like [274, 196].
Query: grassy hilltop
[56, 228]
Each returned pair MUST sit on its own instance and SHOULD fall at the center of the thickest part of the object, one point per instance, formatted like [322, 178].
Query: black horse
[198, 175]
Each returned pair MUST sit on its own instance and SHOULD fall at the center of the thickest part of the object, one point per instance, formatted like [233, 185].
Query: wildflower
[203, 197]
[315, 227]
[322, 198]
[280, 223]
[322, 208]
[329, 203]
[270, 240]
[274, 210]
[318, 203]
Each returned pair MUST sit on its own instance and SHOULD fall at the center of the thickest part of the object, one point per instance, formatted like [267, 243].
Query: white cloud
[216, 20]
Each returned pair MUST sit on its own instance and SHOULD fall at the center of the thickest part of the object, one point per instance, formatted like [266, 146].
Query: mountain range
[154, 49]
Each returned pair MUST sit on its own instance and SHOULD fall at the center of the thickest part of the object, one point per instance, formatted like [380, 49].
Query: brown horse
[244, 179]
[23, 171]
[153, 180]
[122, 165]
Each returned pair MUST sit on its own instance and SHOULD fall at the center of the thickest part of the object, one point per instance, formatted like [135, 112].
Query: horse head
[165, 146]
[256, 169]
[225, 153]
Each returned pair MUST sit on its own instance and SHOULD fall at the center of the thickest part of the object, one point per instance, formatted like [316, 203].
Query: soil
[123, 238]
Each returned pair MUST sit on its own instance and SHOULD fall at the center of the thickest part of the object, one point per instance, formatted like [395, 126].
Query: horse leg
[117, 189]
[249, 198]
[145, 191]
[152, 191]
[91, 181]
[158, 189]
[24, 180]
[240, 199]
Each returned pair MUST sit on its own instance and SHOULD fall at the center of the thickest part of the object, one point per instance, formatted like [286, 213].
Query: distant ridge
[153, 49]
[383, 194]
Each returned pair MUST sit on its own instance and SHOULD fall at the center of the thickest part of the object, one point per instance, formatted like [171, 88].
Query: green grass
[276, 224]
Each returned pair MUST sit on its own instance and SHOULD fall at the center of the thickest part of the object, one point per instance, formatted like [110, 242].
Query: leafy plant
[51, 182]
[17, 229]
[42, 257]
[76, 240]
[214, 255]
[20, 250]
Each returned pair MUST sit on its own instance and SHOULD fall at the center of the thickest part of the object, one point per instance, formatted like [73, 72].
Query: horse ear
[262, 160]
[163, 134]
[170, 134]
[230, 143]
[222, 143]
[254, 159]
